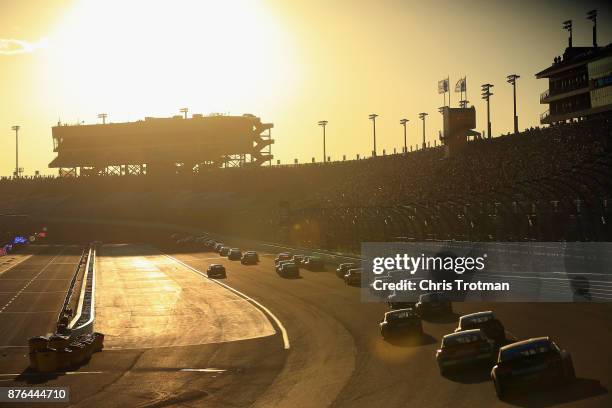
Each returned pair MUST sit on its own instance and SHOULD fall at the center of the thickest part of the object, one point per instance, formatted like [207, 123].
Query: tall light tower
[184, 112]
[592, 15]
[403, 123]
[323, 123]
[16, 129]
[373, 117]
[512, 81]
[103, 116]
[422, 116]
[567, 25]
[486, 95]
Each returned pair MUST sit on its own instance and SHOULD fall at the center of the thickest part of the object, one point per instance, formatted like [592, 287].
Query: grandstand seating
[544, 184]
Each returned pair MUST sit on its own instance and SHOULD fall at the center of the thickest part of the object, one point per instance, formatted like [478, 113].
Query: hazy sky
[290, 62]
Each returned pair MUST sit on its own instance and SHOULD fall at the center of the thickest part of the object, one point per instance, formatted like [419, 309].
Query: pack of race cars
[479, 339]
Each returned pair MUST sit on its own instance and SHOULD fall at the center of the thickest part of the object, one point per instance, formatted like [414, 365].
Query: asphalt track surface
[336, 356]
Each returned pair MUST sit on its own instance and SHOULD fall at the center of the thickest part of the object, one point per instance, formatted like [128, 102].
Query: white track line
[15, 264]
[56, 373]
[253, 301]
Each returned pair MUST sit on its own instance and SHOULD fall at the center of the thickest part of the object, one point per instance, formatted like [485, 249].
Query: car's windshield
[461, 339]
[528, 350]
[401, 314]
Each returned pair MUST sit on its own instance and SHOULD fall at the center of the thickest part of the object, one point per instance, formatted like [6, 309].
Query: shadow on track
[442, 319]
[581, 388]
[30, 376]
[411, 341]
[474, 374]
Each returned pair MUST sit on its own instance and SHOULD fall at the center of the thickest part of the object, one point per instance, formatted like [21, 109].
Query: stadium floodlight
[567, 25]
[486, 95]
[184, 112]
[16, 129]
[403, 122]
[323, 124]
[511, 79]
[422, 116]
[373, 117]
[103, 116]
[592, 15]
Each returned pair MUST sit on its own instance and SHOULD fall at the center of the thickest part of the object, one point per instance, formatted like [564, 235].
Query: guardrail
[65, 313]
[83, 320]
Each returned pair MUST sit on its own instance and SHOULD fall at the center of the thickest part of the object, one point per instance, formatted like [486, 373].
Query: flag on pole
[460, 86]
[443, 86]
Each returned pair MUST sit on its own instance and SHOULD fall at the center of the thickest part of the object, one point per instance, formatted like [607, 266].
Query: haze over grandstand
[292, 63]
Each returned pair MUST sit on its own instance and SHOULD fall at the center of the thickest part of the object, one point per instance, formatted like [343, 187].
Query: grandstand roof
[575, 56]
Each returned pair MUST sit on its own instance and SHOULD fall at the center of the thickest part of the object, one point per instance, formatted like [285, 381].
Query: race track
[179, 339]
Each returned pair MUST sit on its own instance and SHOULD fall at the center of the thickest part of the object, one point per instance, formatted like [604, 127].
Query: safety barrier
[83, 320]
[67, 310]
[75, 340]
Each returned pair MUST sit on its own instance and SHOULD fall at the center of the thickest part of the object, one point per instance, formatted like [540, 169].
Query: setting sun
[149, 57]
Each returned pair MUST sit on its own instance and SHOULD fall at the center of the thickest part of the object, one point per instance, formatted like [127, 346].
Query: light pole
[567, 25]
[103, 116]
[184, 112]
[486, 95]
[512, 81]
[422, 116]
[403, 123]
[323, 123]
[373, 117]
[592, 15]
[16, 129]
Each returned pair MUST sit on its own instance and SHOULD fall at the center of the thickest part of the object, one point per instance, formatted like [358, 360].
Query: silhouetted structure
[161, 145]
[579, 84]
[459, 124]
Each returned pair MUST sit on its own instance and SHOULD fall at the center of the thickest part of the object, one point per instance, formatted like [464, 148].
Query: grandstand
[579, 84]
[548, 183]
[544, 184]
[160, 145]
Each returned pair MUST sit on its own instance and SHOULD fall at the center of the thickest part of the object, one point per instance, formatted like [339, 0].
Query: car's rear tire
[499, 389]
[570, 374]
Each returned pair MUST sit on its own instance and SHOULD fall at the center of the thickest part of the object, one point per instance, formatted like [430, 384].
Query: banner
[443, 86]
[460, 86]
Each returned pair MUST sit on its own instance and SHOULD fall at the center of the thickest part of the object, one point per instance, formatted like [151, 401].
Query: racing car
[313, 263]
[485, 321]
[288, 270]
[433, 303]
[401, 321]
[464, 348]
[249, 258]
[216, 271]
[353, 277]
[395, 301]
[343, 268]
[234, 254]
[283, 256]
[532, 361]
